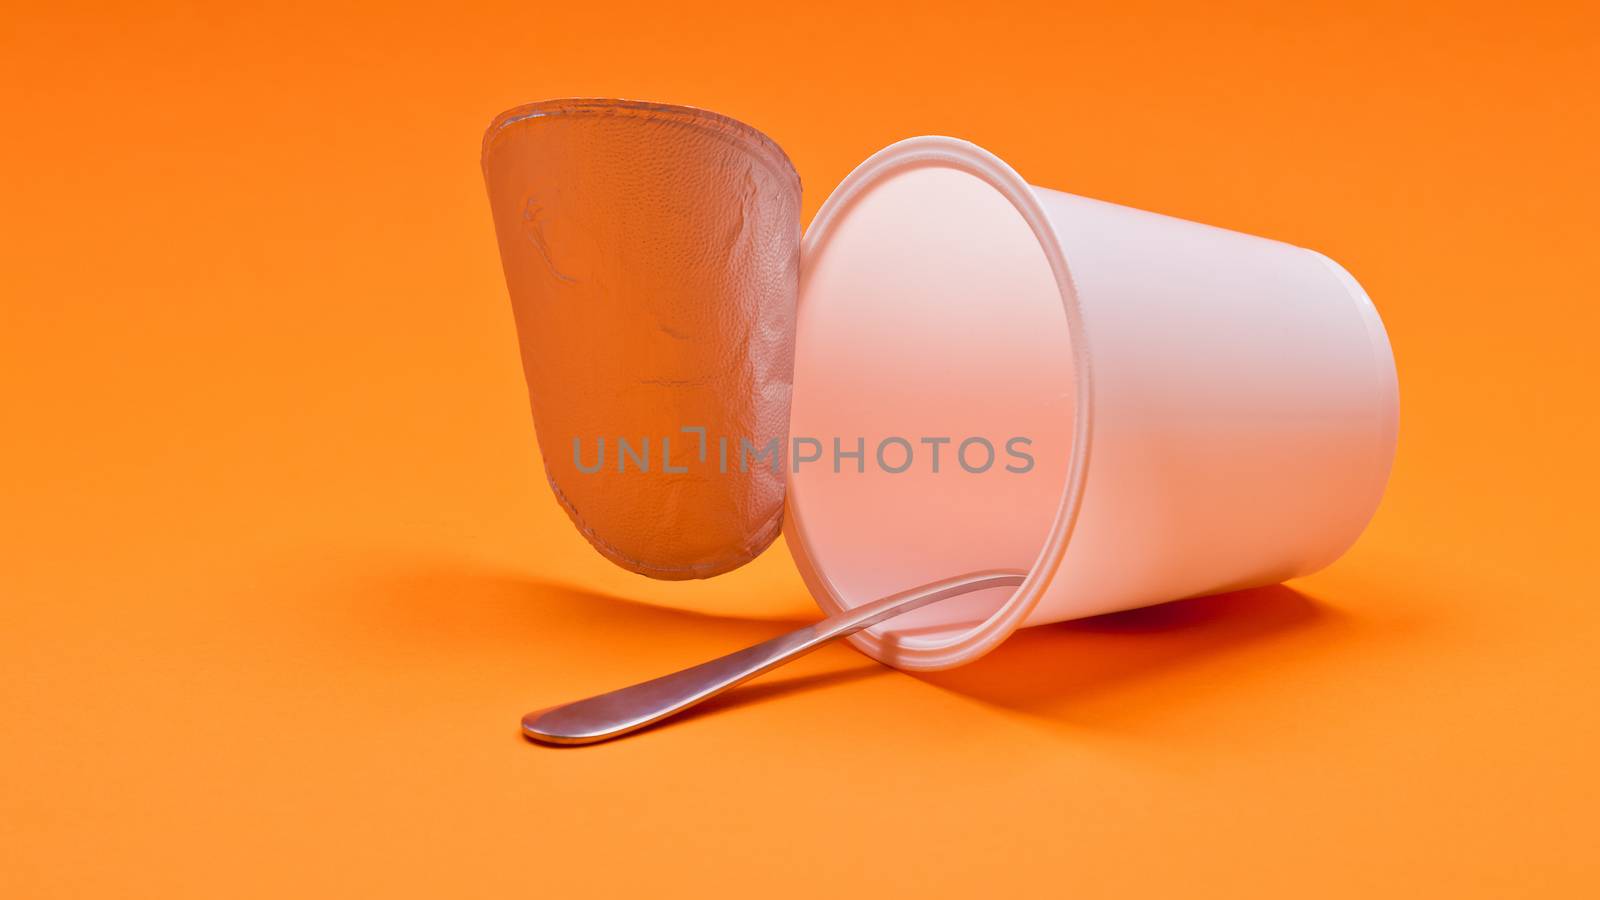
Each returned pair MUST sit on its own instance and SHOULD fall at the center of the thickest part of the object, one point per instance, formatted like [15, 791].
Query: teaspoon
[616, 713]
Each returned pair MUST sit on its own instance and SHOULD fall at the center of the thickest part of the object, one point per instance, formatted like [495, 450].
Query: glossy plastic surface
[1205, 410]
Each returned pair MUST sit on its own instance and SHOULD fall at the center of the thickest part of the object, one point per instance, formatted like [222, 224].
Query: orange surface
[280, 571]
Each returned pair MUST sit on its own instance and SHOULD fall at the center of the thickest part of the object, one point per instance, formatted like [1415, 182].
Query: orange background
[280, 572]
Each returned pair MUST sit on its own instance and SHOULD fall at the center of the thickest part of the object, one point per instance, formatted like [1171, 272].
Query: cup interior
[932, 339]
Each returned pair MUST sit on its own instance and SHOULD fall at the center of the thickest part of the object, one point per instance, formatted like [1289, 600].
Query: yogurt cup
[1132, 408]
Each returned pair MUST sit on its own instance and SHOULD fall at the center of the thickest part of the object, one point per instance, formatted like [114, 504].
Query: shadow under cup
[1128, 407]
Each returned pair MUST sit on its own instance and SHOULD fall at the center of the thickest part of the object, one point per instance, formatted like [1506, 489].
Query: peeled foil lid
[652, 257]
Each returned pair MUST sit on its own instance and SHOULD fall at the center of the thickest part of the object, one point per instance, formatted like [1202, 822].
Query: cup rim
[934, 150]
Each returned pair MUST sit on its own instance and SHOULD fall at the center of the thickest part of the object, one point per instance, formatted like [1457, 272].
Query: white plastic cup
[1204, 410]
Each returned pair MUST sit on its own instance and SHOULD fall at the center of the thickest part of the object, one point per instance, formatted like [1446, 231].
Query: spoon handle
[621, 711]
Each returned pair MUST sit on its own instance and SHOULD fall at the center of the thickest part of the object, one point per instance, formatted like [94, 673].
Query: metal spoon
[619, 712]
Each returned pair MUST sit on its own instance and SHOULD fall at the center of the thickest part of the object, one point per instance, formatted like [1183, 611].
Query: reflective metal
[631, 708]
